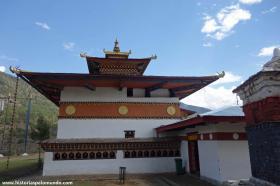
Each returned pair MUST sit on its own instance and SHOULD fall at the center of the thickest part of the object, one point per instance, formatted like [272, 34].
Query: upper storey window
[129, 133]
[129, 92]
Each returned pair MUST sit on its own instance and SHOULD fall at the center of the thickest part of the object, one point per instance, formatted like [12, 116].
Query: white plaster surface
[107, 94]
[107, 166]
[209, 159]
[219, 160]
[262, 87]
[108, 128]
[234, 160]
[185, 155]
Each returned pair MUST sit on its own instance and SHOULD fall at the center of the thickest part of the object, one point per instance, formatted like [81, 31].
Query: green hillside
[39, 106]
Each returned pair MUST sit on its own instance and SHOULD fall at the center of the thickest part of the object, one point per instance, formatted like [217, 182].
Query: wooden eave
[51, 84]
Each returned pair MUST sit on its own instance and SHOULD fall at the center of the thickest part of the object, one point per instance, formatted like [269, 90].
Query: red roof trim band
[199, 121]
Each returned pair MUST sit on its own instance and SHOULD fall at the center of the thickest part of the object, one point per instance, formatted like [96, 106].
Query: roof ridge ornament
[274, 63]
[116, 47]
[116, 53]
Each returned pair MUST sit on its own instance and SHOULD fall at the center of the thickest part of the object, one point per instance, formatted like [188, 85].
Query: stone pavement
[168, 179]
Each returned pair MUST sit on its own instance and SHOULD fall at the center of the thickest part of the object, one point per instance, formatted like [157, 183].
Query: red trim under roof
[199, 120]
[51, 84]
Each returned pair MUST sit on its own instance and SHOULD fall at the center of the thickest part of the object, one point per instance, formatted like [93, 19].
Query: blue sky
[190, 38]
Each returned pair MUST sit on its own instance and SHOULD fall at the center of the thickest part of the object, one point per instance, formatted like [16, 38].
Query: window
[129, 133]
[129, 92]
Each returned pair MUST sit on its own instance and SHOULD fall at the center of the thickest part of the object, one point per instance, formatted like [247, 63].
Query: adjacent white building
[214, 144]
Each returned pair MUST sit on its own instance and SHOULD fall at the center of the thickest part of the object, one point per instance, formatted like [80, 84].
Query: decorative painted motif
[235, 136]
[123, 110]
[217, 136]
[119, 110]
[171, 110]
[70, 110]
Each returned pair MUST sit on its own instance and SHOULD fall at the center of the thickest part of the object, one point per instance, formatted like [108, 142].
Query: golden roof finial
[116, 53]
[116, 47]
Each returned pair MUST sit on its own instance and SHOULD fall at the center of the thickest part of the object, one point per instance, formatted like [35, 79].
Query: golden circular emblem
[123, 110]
[171, 110]
[70, 110]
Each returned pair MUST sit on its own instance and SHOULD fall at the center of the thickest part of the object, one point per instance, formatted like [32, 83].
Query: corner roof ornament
[153, 57]
[222, 74]
[83, 55]
[15, 70]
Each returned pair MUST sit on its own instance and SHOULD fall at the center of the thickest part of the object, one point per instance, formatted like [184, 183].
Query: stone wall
[264, 145]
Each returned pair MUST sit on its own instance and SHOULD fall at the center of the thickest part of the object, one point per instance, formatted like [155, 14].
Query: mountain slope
[39, 105]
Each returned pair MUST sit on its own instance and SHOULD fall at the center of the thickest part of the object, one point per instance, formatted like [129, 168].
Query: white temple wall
[234, 160]
[107, 94]
[224, 160]
[219, 160]
[185, 155]
[108, 128]
[209, 159]
[107, 166]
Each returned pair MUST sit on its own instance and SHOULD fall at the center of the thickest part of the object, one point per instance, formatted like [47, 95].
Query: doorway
[193, 157]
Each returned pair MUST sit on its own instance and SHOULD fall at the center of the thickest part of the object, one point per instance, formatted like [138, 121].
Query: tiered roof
[115, 70]
[117, 63]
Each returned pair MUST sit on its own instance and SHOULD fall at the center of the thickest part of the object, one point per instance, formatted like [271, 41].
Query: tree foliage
[41, 130]
[40, 104]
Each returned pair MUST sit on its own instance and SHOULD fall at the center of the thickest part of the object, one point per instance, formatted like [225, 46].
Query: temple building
[214, 143]
[115, 116]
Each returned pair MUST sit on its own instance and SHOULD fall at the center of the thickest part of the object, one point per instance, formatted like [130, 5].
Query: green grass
[18, 167]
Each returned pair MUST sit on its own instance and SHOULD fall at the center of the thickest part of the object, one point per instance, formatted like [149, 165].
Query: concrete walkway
[169, 179]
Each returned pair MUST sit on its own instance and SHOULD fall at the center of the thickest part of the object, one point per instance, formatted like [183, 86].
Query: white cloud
[226, 19]
[210, 25]
[8, 59]
[213, 98]
[228, 78]
[68, 45]
[207, 44]
[267, 51]
[250, 2]
[43, 25]
[271, 10]
[2, 69]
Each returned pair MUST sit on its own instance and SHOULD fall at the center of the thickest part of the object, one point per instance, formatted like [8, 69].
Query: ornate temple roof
[51, 84]
[115, 70]
[117, 63]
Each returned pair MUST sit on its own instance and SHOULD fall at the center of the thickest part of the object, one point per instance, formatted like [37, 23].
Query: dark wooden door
[193, 157]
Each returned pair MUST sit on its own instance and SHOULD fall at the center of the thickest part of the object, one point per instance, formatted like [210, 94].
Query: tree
[40, 132]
